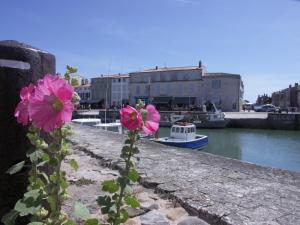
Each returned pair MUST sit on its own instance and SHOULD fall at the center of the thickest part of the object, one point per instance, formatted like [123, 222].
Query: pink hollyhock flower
[50, 106]
[131, 118]
[151, 122]
[21, 112]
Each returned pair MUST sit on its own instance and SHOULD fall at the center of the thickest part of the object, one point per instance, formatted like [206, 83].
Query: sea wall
[220, 190]
[253, 120]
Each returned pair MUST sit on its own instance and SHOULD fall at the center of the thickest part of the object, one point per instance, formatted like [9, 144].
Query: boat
[213, 120]
[87, 121]
[183, 135]
[107, 126]
[175, 118]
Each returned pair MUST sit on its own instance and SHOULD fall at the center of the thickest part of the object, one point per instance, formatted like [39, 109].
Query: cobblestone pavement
[217, 189]
[85, 187]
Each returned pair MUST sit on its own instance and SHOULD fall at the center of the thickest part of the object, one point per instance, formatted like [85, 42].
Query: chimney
[200, 64]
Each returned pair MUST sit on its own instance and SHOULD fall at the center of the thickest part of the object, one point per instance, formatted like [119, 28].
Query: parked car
[268, 108]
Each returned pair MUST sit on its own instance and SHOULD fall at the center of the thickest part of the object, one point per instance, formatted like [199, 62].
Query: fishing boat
[212, 120]
[184, 135]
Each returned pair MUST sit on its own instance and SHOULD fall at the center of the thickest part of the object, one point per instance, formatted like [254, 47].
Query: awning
[162, 100]
[184, 100]
[90, 101]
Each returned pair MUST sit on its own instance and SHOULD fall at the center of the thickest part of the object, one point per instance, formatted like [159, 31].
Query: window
[177, 129]
[157, 89]
[189, 130]
[173, 129]
[216, 84]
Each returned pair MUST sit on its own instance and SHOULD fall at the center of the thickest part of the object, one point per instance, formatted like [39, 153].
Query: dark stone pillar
[20, 64]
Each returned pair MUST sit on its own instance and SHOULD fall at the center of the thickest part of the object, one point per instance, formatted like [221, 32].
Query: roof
[84, 85]
[111, 76]
[119, 76]
[221, 74]
[165, 69]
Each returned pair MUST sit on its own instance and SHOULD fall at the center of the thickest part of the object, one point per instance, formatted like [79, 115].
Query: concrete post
[20, 64]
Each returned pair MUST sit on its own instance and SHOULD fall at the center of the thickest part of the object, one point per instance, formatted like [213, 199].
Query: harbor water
[275, 148]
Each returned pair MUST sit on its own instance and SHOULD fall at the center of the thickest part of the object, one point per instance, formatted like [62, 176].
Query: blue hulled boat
[184, 136]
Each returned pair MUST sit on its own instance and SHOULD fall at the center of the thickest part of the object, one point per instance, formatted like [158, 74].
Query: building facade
[101, 91]
[225, 90]
[186, 87]
[166, 87]
[119, 90]
[286, 98]
[84, 92]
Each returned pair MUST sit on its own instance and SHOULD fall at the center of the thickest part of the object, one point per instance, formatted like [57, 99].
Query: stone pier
[217, 189]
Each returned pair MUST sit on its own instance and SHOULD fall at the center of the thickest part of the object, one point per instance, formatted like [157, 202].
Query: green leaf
[35, 156]
[69, 222]
[103, 200]
[132, 201]
[123, 181]
[10, 218]
[133, 175]
[81, 211]
[15, 168]
[110, 186]
[36, 223]
[25, 209]
[51, 202]
[124, 216]
[74, 164]
[35, 194]
[63, 183]
[91, 222]
[128, 190]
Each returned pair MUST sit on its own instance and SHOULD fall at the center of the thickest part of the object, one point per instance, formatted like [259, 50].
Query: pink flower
[151, 123]
[50, 106]
[131, 118]
[21, 112]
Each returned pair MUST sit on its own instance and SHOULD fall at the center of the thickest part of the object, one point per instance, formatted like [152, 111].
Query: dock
[219, 190]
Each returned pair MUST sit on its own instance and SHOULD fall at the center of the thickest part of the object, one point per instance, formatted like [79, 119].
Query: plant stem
[127, 168]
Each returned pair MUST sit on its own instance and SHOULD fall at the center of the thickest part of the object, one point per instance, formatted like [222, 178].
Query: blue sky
[259, 39]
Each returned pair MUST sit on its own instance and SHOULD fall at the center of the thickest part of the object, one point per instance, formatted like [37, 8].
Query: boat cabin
[184, 132]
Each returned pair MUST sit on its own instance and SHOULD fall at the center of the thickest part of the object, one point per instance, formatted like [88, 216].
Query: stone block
[20, 64]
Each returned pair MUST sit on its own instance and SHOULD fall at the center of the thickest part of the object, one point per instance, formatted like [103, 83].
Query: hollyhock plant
[21, 111]
[151, 121]
[131, 118]
[51, 104]
[46, 107]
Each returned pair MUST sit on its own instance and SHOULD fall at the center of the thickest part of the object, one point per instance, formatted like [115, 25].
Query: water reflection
[274, 148]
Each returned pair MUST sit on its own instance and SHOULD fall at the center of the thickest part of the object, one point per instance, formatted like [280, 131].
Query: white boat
[87, 121]
[105, 126]
[184, 136]
[213, 120]
[175, 117]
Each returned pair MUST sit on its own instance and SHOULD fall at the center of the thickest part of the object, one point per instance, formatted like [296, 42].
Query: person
[204, 108]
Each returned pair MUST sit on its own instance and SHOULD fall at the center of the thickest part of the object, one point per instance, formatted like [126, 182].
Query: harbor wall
[220, 190]
[277, 121]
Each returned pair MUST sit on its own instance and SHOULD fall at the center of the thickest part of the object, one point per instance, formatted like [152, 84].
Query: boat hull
[199, 143]
[212, 124]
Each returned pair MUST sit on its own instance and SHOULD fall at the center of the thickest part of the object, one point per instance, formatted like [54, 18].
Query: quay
[219, 190]
[255, 120]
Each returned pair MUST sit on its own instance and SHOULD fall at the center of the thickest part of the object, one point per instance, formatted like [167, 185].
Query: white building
[119, 90]
[84, 91]
[181, 86]
[185, 87]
